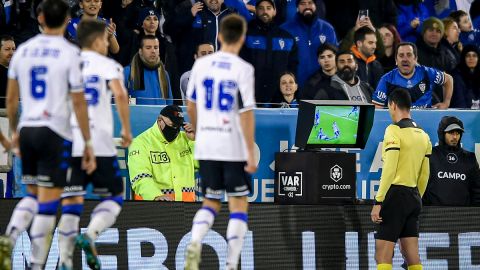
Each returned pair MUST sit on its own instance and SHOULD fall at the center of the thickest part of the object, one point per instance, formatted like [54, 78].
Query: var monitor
[333, 124]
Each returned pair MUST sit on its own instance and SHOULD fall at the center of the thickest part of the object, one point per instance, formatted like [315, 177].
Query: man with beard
[453, 170]
[146, 79]
[270, 49]
[419, 80]
[346, 85]
[160, 159]
[369, 69]
[309, 32]
[7, 48]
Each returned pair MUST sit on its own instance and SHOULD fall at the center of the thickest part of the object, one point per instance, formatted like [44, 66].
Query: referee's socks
[384, 266]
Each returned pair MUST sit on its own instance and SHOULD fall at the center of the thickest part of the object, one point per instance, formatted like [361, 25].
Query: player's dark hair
[361, 33]
[401, 97]
[88, 31]
[232, 28]
[55, 12]
[327, 47]
[147, 37]
[4, 38]
[414, 47]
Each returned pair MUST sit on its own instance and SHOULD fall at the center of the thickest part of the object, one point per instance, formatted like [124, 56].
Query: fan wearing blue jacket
[309, 33]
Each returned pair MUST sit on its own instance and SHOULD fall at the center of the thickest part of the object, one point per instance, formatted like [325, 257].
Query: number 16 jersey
[222, 86]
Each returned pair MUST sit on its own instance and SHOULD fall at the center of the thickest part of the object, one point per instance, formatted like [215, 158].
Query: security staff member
[453, 171]
[406, 148]
[160, 160]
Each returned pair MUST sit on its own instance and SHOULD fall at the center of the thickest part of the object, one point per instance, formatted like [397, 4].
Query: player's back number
[219, 94]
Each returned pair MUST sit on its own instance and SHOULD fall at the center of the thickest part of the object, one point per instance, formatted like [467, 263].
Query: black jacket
[272, 51]
[317, 81]
[454, 173]
[439, 57]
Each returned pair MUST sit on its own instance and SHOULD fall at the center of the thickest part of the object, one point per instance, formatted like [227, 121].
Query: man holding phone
[160, 160]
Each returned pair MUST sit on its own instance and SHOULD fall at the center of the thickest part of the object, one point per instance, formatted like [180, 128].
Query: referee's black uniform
[406, 149]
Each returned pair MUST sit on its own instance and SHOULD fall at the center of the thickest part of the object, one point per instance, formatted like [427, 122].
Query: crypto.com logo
[336, 173]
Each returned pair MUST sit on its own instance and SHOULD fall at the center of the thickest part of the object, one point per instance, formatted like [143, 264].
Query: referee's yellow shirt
[405, 153]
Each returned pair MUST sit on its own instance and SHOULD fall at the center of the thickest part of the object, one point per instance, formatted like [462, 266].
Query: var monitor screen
[326, 124]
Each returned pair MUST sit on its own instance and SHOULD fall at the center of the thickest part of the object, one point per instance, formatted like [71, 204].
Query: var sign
[290, 184]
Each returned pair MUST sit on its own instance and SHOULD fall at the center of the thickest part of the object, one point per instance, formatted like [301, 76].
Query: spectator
[474, 13]
[288, 90]
[431, 52]
[369, 69]
[286, 10]
[202, 50]
[440, 9]
[453, 170]
[309, 32]
[7, 48]
[270, 49]
[349, 40]
[411, 14]
[126, 17]
[90, 9]
[391, 38]
[468, 34]
[379, 12]
[160, 159]
[146, 79]
[451, 40]
[419, 80]
[470, 73]
[326, 56]
[346, 85]
[207, 21]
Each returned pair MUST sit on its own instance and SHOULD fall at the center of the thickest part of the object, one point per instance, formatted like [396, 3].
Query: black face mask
[170, 133]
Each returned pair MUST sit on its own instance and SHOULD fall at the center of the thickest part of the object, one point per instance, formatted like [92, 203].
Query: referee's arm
[424, 171]
[391, 152]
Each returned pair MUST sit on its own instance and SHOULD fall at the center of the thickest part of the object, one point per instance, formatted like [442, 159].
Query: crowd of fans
[157, 41]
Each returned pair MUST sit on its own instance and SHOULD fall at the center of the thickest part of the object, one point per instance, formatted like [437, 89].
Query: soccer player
[354, 111]
[406, 151]
[102, 77]
[336, 130]
[317, 118]
[322, 136]
[45, 74]
[221, 97]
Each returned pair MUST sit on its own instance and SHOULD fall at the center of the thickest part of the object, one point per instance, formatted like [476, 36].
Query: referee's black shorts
[400, 211]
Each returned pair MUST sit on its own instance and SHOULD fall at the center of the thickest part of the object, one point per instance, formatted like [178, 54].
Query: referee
[406, 149]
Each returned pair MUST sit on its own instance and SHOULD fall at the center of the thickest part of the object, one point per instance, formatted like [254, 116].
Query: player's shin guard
[41, 231]
[415, 267]
[384, 266]
[104, 216]
[202, 222]
[22, 216]
[67, 231]
[236, 230]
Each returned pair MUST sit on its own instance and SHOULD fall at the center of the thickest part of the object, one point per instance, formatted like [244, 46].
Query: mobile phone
[362, 14]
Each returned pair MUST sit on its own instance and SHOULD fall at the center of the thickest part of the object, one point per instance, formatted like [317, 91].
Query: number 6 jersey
[47, 69]
[222, 86]
[97, 71]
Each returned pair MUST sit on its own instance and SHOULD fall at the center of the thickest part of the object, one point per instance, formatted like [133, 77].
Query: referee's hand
[375, 214]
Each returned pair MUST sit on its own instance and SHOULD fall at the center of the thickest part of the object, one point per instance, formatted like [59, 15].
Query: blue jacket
[308, 38]
[152, 94]
[406, 14]
[472, 37]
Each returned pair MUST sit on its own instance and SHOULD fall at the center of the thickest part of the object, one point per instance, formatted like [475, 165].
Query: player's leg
[104, 215]
[410, 251]
[237, 228]
[237, 185]
[53, 167]
[68, 227]
[384, 254]
[212, 187]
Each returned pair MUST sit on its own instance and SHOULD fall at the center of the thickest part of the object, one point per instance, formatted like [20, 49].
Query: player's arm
[192, 113]
[247, 122]
[424, 171]
[89, 163]
[192, 98]
[391, 152]
[140, 171]
[13, 95]
[121, 100]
